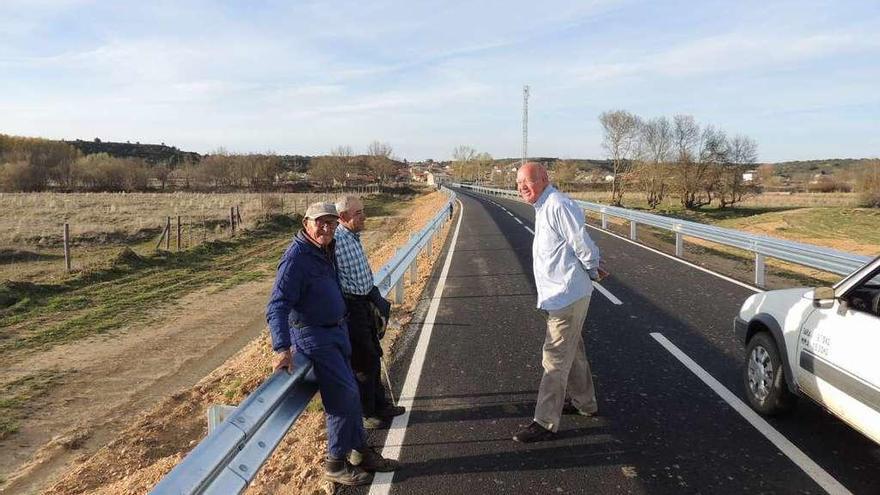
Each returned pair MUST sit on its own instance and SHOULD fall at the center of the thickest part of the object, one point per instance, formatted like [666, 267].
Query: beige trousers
[565, 366]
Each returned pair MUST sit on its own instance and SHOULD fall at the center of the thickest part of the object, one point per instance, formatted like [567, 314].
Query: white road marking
[397, 431]
[807, 465]
[605, 292]
[688, 263]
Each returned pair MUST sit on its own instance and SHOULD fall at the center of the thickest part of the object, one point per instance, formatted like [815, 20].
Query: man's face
[354, 218]
[530, 184]
[321, 229]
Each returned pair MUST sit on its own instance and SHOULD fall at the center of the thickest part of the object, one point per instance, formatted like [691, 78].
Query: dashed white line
[813, 470]
[518, 220]
[397, 431]
[530, 230]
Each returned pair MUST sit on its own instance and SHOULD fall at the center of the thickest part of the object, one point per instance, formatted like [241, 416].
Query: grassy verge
[130, 287]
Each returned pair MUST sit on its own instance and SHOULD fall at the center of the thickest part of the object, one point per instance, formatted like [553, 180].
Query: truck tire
[764, 377]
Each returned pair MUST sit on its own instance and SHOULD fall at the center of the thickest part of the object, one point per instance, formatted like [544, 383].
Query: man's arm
[285, 294]
[573, 229]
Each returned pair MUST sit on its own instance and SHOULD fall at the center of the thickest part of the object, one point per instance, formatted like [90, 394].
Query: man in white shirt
[565, 262]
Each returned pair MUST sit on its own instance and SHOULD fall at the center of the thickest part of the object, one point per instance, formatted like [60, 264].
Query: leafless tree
[655, 140]
[380, 162]
[620, 130]
[742, 153]
[564, 172]
[689, 171]
[463, 167]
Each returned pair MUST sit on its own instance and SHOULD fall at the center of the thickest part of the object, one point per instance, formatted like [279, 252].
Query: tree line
[34, 164]
[678, 157]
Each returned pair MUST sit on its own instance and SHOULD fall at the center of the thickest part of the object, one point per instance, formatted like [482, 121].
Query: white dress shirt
[563, 253]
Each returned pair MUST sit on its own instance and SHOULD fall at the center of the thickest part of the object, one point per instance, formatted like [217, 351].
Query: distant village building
[436, 179]
[750, 176]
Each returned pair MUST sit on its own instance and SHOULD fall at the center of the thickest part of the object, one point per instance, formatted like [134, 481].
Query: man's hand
[283, 360]
[598, 274]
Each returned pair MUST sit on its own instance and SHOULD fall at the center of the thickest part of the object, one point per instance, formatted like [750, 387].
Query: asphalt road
[661, 429]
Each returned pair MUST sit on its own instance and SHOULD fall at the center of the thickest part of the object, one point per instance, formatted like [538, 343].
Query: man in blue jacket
[306, 310]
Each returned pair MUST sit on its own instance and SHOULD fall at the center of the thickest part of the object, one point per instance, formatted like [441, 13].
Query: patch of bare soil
[136, 449]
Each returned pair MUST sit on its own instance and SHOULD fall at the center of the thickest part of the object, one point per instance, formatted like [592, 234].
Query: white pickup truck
[823, 343]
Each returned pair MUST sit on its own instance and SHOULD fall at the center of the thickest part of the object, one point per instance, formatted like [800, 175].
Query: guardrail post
[759, 270]
[679, 245]
[632, 229]
[414, 271]
[398, 292]
[604, 221]
[430, 247]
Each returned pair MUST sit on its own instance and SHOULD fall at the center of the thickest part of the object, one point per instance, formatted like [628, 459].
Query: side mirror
[821, 294]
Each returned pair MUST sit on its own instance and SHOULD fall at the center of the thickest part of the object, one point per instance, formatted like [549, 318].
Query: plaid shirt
[355, 275]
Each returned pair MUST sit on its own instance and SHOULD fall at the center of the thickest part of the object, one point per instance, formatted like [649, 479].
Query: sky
[802, 78]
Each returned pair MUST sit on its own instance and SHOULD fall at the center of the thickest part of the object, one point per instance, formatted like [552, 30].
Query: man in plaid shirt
[366, 309]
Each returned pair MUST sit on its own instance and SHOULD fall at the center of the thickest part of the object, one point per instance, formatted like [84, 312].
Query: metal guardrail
[828, 260]
[228, 459]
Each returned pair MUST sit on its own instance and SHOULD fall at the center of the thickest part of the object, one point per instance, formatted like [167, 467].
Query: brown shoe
[391, 411]
[534, 433]
[371, 461]
[340, 471]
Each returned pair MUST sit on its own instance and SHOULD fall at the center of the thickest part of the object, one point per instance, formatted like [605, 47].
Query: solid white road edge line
[813, 470]
[394, 440]
[685, 262]
[605, 292]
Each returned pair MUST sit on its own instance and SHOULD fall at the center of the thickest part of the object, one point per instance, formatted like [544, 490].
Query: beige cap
[318, 210]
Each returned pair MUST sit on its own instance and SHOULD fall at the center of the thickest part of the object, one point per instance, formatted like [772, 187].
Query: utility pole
[525, 148]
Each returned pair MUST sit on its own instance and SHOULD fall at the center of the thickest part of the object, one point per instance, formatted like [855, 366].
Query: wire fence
[45, 236]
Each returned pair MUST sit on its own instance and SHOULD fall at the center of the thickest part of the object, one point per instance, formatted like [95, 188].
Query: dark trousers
[366, 354]
[329, 350]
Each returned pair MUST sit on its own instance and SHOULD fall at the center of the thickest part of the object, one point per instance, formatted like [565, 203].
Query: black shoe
[340, 471]
[375, 423]
[371, 461]
[569, 408]
[534, 433]
[391, 411]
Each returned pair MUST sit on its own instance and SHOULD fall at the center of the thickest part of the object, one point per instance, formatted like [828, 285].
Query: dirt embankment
[128, 450]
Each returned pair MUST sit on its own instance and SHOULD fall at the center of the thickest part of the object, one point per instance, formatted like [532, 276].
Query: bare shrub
[868, 185]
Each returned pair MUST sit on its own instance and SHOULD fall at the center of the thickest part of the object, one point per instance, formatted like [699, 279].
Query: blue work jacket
[306, 291]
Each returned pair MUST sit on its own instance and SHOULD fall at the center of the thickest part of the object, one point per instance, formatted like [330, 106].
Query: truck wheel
[764, 377]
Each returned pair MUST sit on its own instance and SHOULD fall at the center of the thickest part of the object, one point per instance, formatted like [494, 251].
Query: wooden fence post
[67, 246]
[168, 233]
[178, 233]
[232, 219]
[238, 214]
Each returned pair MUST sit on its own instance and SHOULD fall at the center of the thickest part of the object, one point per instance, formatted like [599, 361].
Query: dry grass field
[31, 225]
